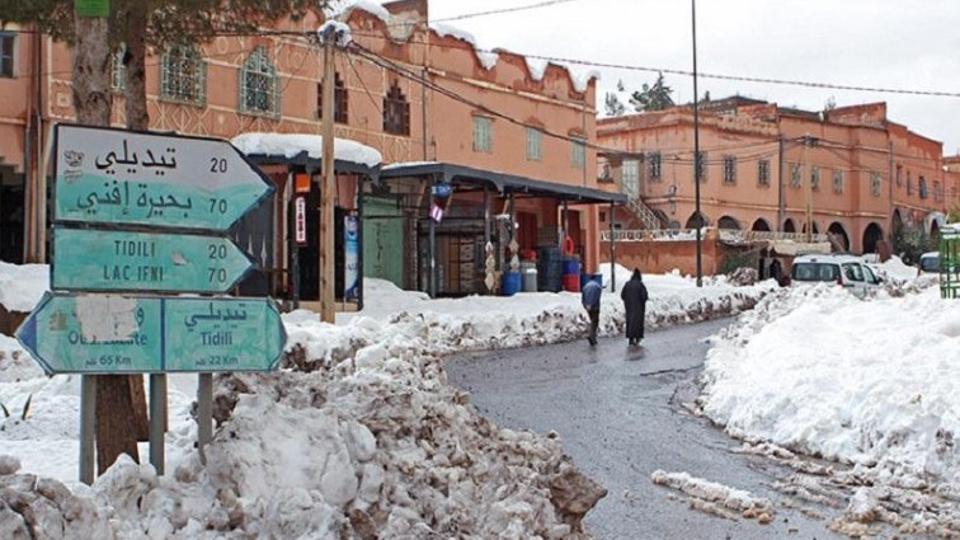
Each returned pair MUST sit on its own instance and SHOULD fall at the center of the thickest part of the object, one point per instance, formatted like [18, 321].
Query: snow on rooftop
[341, 32]
[487, 58]
[537, 67]
[290, 145]
[342, 9]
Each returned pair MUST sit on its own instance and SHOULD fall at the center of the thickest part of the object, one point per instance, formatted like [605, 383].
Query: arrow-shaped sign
[134, 261]
[106, 175]
[110, 334]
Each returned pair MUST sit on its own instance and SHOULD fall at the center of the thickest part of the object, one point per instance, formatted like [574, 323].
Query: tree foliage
[653, 98]
[170, 22]
[613, 105]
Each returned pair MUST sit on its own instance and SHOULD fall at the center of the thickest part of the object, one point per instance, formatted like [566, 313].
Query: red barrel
[571, 282]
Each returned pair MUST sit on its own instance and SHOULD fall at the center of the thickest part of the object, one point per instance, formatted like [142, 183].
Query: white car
[845, 270]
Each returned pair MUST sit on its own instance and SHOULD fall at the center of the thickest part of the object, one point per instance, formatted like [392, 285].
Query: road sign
[116, 176]
[111, 334]
[136, 261]
[224, 334]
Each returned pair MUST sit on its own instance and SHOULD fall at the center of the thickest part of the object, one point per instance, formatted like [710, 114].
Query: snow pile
[373, 445]
[342, 35]
[895, 268]
[871, 383]
[21, 286]
[488, 59]
[716, 498]
[290, 145]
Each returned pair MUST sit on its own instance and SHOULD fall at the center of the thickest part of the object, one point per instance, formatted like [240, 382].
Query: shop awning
[502, 182]
[304, 150]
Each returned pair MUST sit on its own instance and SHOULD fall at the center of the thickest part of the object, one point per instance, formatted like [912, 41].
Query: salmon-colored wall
[658, 257]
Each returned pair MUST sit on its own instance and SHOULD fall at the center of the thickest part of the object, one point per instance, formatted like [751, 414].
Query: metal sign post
[140, 212]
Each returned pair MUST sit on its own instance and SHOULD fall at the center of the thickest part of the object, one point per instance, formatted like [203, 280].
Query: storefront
[448, 214]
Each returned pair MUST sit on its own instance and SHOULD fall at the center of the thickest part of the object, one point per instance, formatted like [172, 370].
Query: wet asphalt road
[618, 413]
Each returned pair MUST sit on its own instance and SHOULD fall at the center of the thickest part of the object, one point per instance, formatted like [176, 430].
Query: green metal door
[383, 240]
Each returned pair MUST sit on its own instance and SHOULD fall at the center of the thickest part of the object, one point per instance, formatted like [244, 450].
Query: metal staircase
[647, 216]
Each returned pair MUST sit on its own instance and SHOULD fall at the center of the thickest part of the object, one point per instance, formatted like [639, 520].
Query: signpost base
[88, 407]
[158, 420]
[204, 414]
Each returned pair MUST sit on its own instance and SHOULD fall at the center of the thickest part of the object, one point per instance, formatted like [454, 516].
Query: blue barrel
[571, 266]
[511, 283]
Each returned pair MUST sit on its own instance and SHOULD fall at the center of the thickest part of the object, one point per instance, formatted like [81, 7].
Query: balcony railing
[689, 235]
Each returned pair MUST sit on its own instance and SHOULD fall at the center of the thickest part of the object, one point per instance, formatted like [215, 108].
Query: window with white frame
[7, 42]
[729, 170]
[838, 181]
[763, 172]
[876, 183]
[118, 70]
[653, 158]
[578, 153]
[815, 177]
[630, 177]
[534, 144]
[259, 92]
[482, 134]
[183, 76]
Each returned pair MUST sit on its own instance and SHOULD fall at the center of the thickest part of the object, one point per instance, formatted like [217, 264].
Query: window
[763, 172]
[909, 184]
[482, 134]
[838, 181]
[853, 271]
[258, 84]
[899, 175]
[876, 183]
[701, 162]
[815, 177]
[534, 144]
[922, 187]
[729, 170]
[339, 100]
[630, 177]
[795, 178]
[578, 154]
[6, 54]
[183, 76]
[396, 111]
[654, 160]
[937, 193]
[118, 70]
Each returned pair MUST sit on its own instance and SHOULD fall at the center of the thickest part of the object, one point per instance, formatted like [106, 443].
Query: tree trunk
[135, 96]
[92, 101]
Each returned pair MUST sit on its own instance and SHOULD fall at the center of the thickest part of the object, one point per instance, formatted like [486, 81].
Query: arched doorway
[897, 221]
[789, 226]
[837, 230]
[727, 222]
[871, 235]
[816, 229]
[760, 225]
[697, 221]
[934, 232]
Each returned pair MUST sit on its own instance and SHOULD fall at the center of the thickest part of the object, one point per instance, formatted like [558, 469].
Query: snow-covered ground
[871, 383]
[358, 432]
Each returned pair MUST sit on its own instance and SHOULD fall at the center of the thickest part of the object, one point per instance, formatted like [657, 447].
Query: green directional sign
[136, 261]
[95, 334]
[233, 334]
[112, 176]
[110, 334]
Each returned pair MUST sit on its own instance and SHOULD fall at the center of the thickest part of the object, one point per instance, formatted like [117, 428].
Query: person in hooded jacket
[634, 296]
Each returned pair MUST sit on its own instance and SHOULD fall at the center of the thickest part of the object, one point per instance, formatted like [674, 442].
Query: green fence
[950, 262]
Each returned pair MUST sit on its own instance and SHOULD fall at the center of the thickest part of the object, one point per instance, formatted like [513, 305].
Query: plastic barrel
[550, 269]
[511, 283]
[571, 266]
[530, 280]
[571, 282]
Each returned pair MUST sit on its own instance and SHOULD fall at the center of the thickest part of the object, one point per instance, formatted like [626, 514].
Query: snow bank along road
[358, 435]
[619, 415]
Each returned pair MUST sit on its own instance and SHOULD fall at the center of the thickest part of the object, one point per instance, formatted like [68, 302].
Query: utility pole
[329, 185]
[696, 149]
[807, 142]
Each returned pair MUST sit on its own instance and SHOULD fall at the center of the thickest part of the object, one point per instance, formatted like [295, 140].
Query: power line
[527, 7]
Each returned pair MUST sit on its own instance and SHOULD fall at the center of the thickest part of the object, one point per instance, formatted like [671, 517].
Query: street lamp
[696, 149]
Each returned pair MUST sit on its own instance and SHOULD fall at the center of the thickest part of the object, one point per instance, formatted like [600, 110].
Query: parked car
[845, 270]
[929, 263]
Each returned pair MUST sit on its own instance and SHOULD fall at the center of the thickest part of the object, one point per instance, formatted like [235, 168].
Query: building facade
[418, 94]
[861, 173]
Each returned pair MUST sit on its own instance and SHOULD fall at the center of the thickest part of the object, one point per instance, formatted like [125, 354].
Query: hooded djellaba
[634, 296]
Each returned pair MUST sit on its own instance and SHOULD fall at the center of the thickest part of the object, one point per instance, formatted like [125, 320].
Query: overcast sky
[877, 43]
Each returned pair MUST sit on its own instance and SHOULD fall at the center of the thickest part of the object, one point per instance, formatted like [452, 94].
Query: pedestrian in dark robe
[634, 296]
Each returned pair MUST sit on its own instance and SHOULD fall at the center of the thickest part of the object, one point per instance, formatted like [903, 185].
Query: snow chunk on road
[871, 383]
[729, 498]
